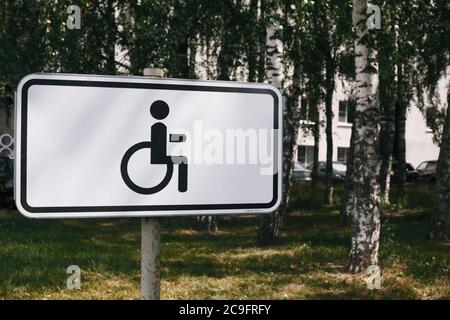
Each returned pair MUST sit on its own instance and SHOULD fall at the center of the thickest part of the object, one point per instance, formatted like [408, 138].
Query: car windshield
[422, 166]
[339, 167]
[298, 166]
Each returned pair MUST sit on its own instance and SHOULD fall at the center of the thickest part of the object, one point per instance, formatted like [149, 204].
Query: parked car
[6, 182]
[301, 173]
[339, 170]
[411, 173]
[426, 171]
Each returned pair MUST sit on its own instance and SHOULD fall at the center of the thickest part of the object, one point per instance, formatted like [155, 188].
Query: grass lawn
[309, 263]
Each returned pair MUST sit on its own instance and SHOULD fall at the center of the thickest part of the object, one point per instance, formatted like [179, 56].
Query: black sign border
[136, 85]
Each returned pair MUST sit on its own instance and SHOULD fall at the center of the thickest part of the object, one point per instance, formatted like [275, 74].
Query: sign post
[150, 255]
[151, 239]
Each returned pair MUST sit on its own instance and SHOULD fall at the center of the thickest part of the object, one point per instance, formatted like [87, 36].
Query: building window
[347, 111]
[305, 155]
[342, 154]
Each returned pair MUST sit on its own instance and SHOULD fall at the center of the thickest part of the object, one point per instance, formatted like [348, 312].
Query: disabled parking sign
[103, 146]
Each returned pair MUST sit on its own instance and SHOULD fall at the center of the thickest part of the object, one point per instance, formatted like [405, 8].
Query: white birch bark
[291, 92]
[275, 69]
[271, 224]
[366, 193]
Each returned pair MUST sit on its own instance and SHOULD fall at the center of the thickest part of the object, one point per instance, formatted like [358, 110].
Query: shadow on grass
[34, 254]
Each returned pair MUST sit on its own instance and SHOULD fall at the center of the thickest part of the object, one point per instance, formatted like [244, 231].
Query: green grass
[308, 264]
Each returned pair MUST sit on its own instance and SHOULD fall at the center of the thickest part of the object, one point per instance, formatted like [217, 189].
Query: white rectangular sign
[99, 146]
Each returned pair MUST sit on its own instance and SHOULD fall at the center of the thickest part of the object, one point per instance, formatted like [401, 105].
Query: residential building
[420, 145]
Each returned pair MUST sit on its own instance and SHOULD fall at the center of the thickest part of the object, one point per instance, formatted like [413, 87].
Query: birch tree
[347, 199]
[331, 32]
[284, 47]
[328, 52]
[270, 224]
[439, 222]
[405, 19]
[434, 62]
[313, 83]
[388, 56]
[365, 209]
[252, 45]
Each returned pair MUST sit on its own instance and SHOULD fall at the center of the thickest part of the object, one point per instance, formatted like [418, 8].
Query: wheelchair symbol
[158, 155]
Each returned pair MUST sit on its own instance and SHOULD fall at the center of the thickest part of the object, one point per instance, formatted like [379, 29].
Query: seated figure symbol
[158, 155]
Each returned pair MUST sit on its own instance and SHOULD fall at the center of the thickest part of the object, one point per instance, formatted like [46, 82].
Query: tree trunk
[192, 55]
[400, 129]
[208, 223]
[253, 44]
[348, 198]
[387, 143]
[438, 229]
[262, 41]
[224, 61]
[111, 39]
[385, 178]
[269, 229]
[366, 191]
[178, 63]
[212, 224]
[225, 58]
[316, 132]
[329, 83]
[388, 97]
[270, 224]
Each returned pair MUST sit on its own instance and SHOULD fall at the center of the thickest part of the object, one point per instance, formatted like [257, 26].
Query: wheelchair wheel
[126, 177]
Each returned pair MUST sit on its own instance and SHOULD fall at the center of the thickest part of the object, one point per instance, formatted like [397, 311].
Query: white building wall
[419, 138]
[341, 131]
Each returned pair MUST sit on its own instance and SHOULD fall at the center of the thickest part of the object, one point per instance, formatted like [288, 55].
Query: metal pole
[150, 239]
[150, 250]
